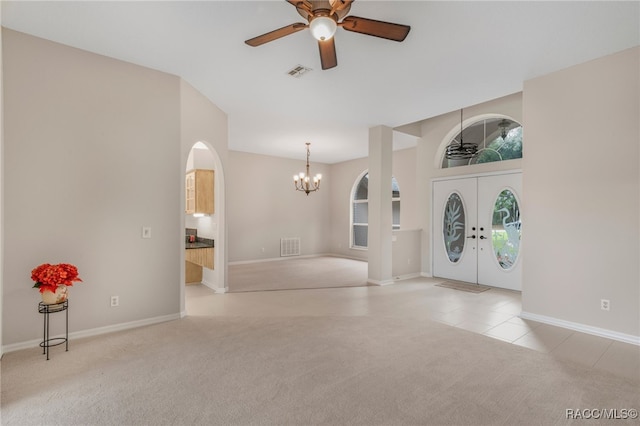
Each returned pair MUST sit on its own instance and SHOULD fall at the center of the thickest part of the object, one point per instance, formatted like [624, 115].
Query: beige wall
[344, 176]
[581, 186]
[95, 149]
[435, 136]
[1, 187]
[202, 121]
[265, 207]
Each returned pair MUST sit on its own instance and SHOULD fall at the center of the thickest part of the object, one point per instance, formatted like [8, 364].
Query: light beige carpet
[367, 370]
[298, 273]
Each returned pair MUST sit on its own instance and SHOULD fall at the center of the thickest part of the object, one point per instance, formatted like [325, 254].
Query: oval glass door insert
[453, 227]
[506, 229]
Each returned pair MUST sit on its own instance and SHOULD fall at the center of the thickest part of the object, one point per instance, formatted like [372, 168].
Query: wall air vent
[290, 246]
[298, 71]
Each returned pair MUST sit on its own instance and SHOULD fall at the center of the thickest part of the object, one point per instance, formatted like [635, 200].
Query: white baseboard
[596, 331]
[426, 274]
[277, 259]
[214, 288]
[93, 332]
[407, 276]
[380, 283]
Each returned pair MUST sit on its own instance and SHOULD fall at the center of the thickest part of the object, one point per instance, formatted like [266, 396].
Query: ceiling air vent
[298, 71]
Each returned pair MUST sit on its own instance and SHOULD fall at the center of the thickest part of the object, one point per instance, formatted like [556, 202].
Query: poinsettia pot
[51, 298]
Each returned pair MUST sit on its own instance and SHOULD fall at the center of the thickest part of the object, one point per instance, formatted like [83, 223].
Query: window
[498, 139]
[360, 210]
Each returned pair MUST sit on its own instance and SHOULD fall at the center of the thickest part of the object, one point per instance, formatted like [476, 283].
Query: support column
[380, 213]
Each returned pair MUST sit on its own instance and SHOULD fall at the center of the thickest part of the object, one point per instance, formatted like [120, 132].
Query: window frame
[455, 131]
[353, 201]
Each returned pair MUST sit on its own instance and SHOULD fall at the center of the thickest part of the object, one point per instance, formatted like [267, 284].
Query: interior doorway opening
[204, 262]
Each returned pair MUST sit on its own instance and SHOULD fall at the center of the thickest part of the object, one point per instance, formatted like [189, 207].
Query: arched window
[498, 139]
[360, 210]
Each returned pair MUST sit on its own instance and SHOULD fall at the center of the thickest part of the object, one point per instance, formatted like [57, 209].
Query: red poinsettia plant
[48, 277]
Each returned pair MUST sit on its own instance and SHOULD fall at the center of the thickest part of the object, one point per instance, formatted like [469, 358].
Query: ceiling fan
[323, 18]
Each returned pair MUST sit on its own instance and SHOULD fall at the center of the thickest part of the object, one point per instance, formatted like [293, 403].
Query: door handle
[472, 236]
[482, 237]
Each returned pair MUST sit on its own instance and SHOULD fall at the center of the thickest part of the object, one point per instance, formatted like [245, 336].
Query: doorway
[207, 228]
[476, 228]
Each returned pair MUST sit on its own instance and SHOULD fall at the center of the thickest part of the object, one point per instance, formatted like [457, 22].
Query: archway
[206, 227]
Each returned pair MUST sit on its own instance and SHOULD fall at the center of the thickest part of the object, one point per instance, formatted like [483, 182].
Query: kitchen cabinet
[200, 256]
[192, 273]
[199, 191]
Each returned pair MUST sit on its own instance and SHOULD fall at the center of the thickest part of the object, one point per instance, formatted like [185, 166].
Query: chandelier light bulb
[323, 28]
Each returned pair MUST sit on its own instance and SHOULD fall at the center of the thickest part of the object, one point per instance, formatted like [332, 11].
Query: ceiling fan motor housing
[321, 8]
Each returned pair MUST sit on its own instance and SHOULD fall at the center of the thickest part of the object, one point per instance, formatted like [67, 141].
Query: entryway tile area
[495, 313]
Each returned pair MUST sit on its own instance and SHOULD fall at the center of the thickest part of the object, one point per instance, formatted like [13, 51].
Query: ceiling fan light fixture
[323, 27]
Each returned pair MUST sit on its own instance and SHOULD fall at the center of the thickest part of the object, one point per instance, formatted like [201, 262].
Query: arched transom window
[497, 138]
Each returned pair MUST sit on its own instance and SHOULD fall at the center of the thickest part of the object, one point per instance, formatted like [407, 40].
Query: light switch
[146, 232]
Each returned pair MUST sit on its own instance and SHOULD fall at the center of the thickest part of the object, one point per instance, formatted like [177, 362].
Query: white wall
[581, 186]
[91, 152]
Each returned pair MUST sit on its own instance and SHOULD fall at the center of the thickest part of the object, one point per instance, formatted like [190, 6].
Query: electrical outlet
[605, 305]
[146, 232]
[115, 301]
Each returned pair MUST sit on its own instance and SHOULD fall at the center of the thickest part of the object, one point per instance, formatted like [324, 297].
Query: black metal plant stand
[47, 341]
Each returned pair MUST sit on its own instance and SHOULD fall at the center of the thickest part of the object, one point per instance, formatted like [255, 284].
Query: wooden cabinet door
[190, 192]
[200, 256]
[199, 196]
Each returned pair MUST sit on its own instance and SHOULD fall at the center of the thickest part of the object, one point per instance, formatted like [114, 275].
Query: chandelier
[302, 181]
[504, 128]
[461, 150]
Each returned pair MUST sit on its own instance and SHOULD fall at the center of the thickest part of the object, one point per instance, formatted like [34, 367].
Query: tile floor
[493, 313]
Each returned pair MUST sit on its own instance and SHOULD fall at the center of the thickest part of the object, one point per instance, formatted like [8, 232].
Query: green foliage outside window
[500, 150]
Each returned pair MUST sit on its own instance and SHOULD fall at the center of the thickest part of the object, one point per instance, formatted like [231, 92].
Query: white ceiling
[457, 54]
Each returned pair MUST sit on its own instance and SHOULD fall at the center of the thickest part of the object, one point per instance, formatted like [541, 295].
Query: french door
[477, 230]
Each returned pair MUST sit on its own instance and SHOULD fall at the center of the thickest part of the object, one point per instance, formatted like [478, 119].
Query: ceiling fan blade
[276, 34]
[339, 5]
[328, 57]
[388, 30]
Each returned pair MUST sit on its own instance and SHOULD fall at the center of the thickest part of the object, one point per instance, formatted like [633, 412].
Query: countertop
[200, 243]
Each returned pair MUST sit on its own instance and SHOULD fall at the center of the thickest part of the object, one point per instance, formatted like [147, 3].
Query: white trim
[94, 331]
[476, 175]
[583, 328]
[407, 276]
[276, 259]
[426, 275]
[380, 283]
[221, 290]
